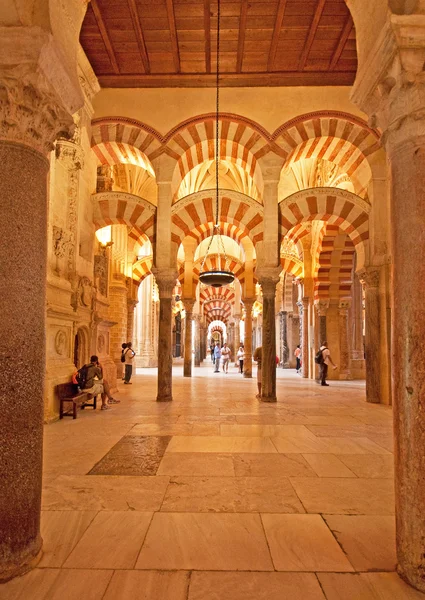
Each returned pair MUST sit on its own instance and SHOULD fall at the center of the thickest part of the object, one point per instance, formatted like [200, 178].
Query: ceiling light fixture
[218, 277]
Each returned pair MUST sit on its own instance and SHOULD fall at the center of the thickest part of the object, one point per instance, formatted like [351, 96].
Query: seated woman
[94, 384]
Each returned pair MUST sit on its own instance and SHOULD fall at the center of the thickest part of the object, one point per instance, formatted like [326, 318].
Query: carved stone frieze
[31, 115]
[60, 241]
[61, 342]
[101, 273]
[70, 153]
[83, 296]
[302, 196]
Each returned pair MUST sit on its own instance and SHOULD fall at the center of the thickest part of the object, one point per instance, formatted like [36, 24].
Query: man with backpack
[128, 354]
[90, 380]
[323, 359]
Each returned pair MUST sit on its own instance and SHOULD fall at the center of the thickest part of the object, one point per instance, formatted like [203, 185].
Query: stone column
[34, 111]
[370, 279]
[231, 340]
[118, 313]
[284, 348]
[166, 283]
[131, 305]
[304, 335]
[322, 308]
[268, 365]
[197, 319]
[357, 320]
[247, 363]
[237, 338]
[187, 365]
[344, 341]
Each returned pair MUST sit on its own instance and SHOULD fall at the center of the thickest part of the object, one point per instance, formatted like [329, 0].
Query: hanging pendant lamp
[220, 277]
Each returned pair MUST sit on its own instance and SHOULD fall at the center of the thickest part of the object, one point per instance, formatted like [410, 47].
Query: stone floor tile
[345, 496]
[358, 445]
[57, 584]
[217, 542]
[235, 494]
[254, 586]
[328, 465]
[148, 585]
[368, 541]
[285, 431]
[379, 466]
[220, 444]
[349, 430]
[112, 541]
[367, 586]
[197, 464]
[133, 455]
[271, 465]
[101, 492]
[304, 445]
[61, 531]
[303, 543]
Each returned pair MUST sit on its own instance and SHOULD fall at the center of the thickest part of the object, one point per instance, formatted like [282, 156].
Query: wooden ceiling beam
[173, 34]
[276, 33]
[207, 32]
[139, 35]
[105, 36]
[241, 37]
[311, 34]
[341, 42]
[184, 80]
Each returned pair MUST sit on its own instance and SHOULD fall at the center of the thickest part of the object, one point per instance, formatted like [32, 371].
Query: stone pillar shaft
[197, 341]
[304, 338]
[23, 233]
[344, 342]
[187, 365]
[247, 363]
[268, 367]
[370, 278]
[165, 345]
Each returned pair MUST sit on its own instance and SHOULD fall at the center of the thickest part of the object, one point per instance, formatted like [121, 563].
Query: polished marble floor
[217, 496]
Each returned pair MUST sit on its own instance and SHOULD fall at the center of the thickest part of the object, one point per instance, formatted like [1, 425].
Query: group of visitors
[323, 359]
[90, 377]
[222, 355]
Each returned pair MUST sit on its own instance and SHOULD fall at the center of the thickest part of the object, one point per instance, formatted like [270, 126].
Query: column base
[248, 375]
[30, 562]
[268, 399]
[411, 577]
[164, 399]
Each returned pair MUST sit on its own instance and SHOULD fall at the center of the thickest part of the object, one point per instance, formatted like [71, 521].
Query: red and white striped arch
[335, 266]
[332, 205]
[218, 314]
[241, 141]
[121, 140]
[338, 137]
[292, 265]
[194, 216]
[223, 293]
[142, 268]
[119, 208]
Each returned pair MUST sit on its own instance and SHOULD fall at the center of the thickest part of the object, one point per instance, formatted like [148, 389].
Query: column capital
[70, 153]
[189, 303]
[248, 303]
[390, 86]
[165, 280]
[305, 302]
[369, 277]
[321, 307]
[344, 306]
[268, 278]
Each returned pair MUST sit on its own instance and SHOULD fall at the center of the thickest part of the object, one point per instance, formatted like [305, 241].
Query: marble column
[131, 305]
[284, 348]
[322, 308]
[197, 319]
[370, 279]
[247, 363]
[237, 338]
[304, 335]
[344, 341]
[268, 339]
[165, 347]
[32, 115]
[357, 319]
[187, 365]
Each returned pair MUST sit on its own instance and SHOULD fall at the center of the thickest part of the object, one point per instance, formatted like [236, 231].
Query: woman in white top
[240, 356]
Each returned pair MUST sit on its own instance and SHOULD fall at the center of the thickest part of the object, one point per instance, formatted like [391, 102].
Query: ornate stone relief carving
[101, 343]
[61, 342]
[101, 273]
[83, 294]
[31, 115]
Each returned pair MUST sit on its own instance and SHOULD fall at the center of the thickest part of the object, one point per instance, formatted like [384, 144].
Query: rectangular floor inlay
[133, 455]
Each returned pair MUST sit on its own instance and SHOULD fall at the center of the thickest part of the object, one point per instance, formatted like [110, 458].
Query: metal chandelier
[218, 277]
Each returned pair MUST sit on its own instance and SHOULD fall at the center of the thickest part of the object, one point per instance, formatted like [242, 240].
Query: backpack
[318, 359]
[81, 377]
[122, 357]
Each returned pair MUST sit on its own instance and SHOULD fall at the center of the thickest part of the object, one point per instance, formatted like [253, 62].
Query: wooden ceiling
[171, 43]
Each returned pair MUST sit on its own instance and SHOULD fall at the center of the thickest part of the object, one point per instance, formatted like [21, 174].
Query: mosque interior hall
[219, 206]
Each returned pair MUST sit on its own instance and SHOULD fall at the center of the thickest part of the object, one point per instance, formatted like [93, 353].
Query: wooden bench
[69, 392]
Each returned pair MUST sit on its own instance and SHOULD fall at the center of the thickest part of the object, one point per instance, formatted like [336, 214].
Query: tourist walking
[324, 359]
[297, 354]
[240, 356]
[217, 357]
[129, 355]
[225, 353]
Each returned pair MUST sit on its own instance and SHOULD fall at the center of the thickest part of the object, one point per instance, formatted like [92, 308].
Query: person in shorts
[225, 355]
